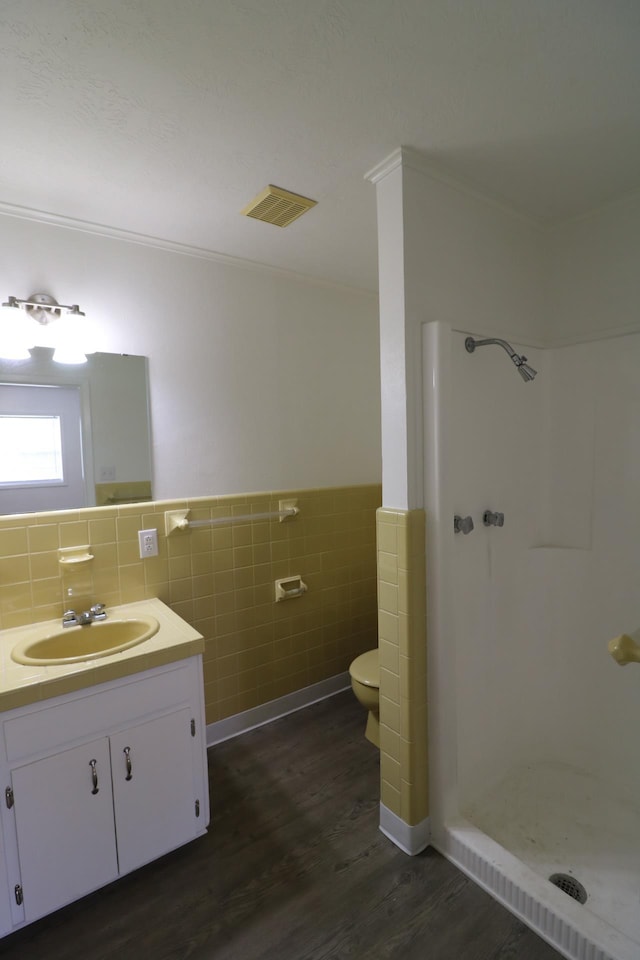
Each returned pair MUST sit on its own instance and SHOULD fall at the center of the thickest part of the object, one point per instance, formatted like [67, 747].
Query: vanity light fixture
[21, 323]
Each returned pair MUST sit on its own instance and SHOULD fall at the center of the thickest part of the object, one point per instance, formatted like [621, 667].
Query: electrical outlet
[148, 541]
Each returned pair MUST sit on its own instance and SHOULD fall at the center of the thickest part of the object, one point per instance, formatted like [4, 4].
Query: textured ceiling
[165, 117]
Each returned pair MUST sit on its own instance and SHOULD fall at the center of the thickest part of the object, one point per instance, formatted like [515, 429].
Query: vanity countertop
[21, 685]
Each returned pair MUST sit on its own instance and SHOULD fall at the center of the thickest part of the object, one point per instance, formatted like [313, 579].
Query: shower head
[526, 372]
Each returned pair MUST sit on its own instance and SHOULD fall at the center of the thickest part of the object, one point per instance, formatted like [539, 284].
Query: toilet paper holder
[287, 588]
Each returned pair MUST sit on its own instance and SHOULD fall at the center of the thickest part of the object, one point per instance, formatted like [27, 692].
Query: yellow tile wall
[220, 579]
[403, 662]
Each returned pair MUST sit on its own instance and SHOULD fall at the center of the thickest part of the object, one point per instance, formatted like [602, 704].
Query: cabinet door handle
[94, 775]
[127, 753]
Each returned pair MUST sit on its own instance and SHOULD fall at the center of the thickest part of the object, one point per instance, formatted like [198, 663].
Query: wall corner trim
[411, 840]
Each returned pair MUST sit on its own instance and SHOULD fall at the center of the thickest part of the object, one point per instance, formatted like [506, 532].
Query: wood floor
[293, 868]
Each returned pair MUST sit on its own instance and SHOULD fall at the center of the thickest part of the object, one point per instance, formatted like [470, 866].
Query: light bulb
[69, 339]
[16, 334]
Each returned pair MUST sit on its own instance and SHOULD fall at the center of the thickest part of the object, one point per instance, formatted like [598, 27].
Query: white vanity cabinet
[64, 826]
[155, 805]
[99, 782]
[5, 903]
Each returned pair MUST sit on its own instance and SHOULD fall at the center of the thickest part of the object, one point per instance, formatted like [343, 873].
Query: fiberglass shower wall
[594, 582]
[535, 602]
[495, 464]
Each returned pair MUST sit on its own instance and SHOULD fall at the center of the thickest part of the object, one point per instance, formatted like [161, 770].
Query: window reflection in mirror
[102, 409]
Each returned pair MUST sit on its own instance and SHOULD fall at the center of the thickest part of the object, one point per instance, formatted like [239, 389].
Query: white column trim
[410, 839]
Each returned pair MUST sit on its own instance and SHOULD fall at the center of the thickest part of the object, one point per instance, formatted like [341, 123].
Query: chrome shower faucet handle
[462, 524]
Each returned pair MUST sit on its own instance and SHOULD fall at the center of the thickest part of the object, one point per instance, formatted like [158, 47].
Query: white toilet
[365, 682]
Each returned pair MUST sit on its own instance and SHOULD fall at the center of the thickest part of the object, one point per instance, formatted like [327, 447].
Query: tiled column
[403, 663]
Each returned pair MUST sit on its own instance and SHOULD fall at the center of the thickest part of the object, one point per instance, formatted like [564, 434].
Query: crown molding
[171, 246]
[593, 336]
[414, 160]
[550, 342]
[623, 201]
[386, 166]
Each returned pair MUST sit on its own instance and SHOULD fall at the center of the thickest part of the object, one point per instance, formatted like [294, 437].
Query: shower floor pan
[558, 819]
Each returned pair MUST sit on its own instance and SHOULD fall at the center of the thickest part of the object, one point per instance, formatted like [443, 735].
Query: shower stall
[535, 729]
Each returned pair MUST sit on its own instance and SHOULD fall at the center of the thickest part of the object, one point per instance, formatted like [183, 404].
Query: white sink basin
[75, 644]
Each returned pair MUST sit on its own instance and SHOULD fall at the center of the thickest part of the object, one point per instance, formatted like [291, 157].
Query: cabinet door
[5, 909]
[64, 824]
[153, 793]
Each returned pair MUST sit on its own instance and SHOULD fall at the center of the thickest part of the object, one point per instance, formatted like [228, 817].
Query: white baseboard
[411, 840]
[266, 712]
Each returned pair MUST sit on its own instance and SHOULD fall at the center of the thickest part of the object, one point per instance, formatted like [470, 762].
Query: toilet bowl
[365, 683]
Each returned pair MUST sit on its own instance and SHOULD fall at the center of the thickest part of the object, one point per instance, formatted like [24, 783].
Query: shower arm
[471, 344]
[519, 361]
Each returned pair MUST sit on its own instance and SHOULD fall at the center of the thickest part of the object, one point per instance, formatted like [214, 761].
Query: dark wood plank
[294, 868]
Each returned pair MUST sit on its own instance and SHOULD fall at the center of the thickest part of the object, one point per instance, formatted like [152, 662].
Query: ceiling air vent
[278, 206]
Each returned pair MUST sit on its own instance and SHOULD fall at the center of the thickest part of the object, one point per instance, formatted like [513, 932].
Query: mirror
[106, 404]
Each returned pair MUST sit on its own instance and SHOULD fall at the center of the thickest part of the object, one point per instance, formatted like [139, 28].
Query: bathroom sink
[75, 644]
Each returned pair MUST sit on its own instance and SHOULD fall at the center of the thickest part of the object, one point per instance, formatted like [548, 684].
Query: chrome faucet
[73, 619]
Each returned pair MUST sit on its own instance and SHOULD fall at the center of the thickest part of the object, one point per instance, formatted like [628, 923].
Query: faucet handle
[68, 615]
[98, 611]
[624, 649]
[462, 524]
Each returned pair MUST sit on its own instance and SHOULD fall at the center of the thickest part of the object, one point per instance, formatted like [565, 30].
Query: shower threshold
[556, 819]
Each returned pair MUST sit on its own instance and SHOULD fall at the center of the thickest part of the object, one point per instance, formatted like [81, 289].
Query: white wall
[532, 621]
[504, 691]
[259, 380]
[537, 605]
[613, 690]
[594, 274]
[592, 596]
[531, 606]
[445, 255]
[471, 263]
[595, 292]
[450, 259]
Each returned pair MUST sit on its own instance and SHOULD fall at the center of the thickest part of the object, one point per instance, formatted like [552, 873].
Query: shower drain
[570, 886]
